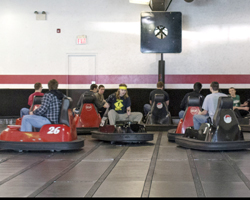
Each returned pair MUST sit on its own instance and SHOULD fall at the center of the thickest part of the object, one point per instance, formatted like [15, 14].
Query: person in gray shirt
[209, 106]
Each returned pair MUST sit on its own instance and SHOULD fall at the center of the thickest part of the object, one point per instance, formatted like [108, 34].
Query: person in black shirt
[242, 110]
[159, 90]
[120, 107]
[195, 93]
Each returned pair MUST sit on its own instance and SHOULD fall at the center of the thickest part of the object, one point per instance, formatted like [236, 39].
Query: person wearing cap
[120, 107]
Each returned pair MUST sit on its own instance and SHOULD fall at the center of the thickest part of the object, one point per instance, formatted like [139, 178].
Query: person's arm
[167, 102]
[79, 103]
[204, 112]
[128, 106]
[128, 110]
[241, 108]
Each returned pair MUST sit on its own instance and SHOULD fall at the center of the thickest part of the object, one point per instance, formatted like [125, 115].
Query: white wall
[215, 40]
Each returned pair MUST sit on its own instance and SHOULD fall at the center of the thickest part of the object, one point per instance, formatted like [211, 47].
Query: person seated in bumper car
[38, 92]
[196, 93]
[159, 90]
[100, 98]
[48, 112]
[92, 92]
[235, 97]
[209, 106]
[242, 110]
[120, 107]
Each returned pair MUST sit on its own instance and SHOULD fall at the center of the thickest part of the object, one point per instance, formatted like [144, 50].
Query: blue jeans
[24, 111]
[198, 120]
[29, 121]
[181, 114]
[146, 109]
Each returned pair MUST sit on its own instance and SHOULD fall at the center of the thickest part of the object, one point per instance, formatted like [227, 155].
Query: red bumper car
[53, 137]
[192, 109]
[87, 119]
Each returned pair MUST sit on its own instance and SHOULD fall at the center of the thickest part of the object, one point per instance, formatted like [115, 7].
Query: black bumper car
[159, 118]
[193, 108]
[123, 132]
[224, 133]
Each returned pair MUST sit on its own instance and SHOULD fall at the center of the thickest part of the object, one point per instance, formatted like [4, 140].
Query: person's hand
[106, 105]
[31, 112]
[128, 112]
[245, 103]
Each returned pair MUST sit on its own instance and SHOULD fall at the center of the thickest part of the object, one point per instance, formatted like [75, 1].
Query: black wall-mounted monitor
[161, 32]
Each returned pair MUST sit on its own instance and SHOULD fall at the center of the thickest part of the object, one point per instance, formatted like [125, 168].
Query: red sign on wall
[81, 39]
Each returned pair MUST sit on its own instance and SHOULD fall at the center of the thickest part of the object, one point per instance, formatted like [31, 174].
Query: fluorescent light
[145, 2]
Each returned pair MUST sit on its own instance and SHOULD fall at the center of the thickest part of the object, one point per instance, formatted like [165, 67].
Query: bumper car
[87, 119]
[52, 137]
[224, 133]
[123, 132]
[193, 108]
[159, 118]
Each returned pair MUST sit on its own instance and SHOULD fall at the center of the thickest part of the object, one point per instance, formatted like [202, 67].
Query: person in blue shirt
[209, 106]
[120, 107]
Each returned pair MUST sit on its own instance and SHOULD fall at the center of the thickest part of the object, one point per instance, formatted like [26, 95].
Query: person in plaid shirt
[48, 112]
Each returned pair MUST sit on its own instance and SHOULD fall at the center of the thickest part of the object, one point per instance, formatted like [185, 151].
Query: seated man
[209, 106]
[48, 112]
[235, 97]
[100, 98]
[159, 90]
[38, 92]
[98, 104]
[242, 110]
[195, 93]
[120, 107]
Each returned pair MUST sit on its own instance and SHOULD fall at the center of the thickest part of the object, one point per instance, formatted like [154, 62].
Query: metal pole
[161, 69]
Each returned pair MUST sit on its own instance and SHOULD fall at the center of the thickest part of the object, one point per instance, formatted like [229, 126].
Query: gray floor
[155, 169]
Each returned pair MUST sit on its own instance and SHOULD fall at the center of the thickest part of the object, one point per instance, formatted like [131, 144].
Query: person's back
[209, 106]
[31, 97]
[184, 102]
[195, 93]
[211, 102]
[52, 100]
[159, 90]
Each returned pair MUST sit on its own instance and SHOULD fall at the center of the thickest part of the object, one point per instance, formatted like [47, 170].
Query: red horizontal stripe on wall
[128, 79]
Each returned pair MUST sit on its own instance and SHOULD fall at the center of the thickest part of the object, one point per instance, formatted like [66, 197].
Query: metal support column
[161, 69]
